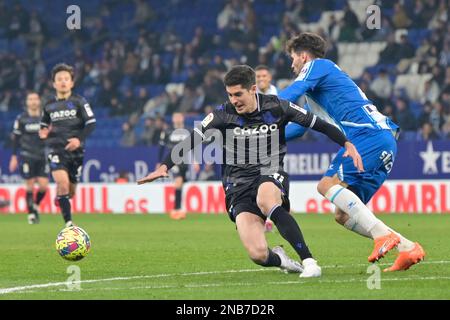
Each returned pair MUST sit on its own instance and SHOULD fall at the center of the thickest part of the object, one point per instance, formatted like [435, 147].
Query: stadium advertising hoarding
[305, 161]
[419, 182]
[403, 196]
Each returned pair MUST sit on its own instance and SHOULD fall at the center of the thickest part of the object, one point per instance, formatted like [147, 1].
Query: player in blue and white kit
[332, 95]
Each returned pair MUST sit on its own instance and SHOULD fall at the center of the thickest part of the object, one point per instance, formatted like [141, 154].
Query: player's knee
[62, 188]
[267, 198]
[325, 184]
[258, 254]
[322, 187]
[266, 203]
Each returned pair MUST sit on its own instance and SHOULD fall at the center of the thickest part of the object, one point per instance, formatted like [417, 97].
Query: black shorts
[33, 168]
[180, 170]
[243, 198]
[72, 162]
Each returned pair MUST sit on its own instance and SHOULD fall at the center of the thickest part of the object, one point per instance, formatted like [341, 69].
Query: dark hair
[310, 42]
[240, 75]
[262, 67]
[30, 92]
[62, 67]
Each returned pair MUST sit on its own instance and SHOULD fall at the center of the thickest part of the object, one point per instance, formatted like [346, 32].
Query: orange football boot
[177, 214]
[383, 245]
[406, 259]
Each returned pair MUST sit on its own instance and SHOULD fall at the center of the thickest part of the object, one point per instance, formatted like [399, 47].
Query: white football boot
[69, 224]
[311, 269]
[288, 265]
[32, 218]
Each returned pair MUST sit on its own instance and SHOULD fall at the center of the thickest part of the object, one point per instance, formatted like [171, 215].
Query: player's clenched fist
[43, 133]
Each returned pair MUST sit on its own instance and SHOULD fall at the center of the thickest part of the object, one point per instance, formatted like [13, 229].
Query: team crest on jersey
[296, 107]
[207, 120]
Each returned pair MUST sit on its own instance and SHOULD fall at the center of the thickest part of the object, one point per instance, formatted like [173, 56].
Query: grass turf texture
[153, 257]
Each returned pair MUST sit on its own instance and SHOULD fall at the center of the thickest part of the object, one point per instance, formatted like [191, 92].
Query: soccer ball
[73, 243]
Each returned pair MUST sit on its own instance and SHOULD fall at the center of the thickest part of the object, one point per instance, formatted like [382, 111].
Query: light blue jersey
[332, 95]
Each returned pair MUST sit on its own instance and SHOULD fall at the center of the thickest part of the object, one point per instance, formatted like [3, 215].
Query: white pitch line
[57, 284]
[242, 284]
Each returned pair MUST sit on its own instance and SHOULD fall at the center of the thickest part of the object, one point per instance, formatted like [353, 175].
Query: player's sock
[273, 260]
[178, 198]
[290, 230]
[30, 202]
[40, 195]
[64, 204]
[405, 244]
[349, 202]
[352, 225]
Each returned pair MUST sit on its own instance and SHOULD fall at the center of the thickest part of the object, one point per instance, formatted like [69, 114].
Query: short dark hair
[240, 75]
[30, 92]
[62, 67]
[306, 41]
[262, 67]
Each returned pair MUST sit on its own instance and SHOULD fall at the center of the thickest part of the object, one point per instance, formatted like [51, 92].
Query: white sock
[349, 202]
[352, 225]
[405, 244]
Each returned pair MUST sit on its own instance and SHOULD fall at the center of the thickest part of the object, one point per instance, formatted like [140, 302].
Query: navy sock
[64, 204]
[40, 195]
[290, 230]
[30, 202]
[273, 260]
[178, 198]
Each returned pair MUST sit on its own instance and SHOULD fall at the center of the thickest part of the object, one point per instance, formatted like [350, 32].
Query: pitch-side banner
[305, 161]
[396, 196]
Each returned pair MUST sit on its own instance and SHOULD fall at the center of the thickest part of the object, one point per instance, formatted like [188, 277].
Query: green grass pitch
[201, 257]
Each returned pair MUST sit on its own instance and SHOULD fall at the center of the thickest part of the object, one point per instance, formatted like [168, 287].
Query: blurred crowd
[128, 76]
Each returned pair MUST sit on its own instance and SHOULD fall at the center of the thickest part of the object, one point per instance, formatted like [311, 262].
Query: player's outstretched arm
[158, 173]
[294, 130]
[308, 119]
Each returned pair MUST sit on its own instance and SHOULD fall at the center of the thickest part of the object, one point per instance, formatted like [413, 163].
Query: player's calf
[258, 254]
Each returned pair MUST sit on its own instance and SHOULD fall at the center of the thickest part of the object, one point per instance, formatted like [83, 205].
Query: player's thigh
[61, 177]
[42, 182]
[273, 190]
[251, 232]
[268, 195]
[29, 184]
